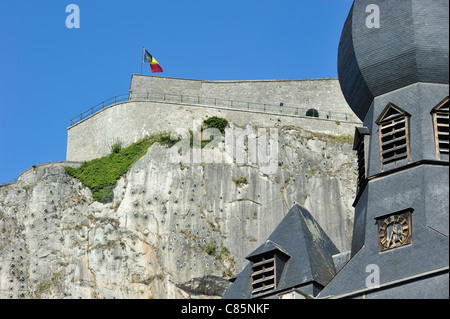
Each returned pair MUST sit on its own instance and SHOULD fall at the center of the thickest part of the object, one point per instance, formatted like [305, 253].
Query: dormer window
[267, 266]
[393, 135]
[441, 127]
[263, 273]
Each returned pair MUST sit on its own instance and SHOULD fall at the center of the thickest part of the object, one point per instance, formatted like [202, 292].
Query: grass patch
[240, 181]
[101, 174]
[211, 249]
[116, 147]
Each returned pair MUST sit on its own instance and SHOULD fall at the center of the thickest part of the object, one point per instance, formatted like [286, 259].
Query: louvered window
[263, 274]
[359, 146]
[361, 163]
[394, 135]
[441, 127]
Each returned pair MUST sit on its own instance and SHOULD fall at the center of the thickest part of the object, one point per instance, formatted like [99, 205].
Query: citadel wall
[324, 95]
[132, 120]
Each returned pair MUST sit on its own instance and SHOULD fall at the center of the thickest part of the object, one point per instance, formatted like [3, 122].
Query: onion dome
[390, 45]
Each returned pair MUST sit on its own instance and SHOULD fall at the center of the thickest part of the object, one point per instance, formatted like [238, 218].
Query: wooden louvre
[361, 154]
[359, 145]
[441, 127]
[263, 274]
[394, 135]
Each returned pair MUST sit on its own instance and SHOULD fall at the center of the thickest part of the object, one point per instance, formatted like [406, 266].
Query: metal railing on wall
[281, 109]
[100, 106]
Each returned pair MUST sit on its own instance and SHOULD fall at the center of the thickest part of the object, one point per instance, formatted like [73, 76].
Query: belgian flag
[154, 65]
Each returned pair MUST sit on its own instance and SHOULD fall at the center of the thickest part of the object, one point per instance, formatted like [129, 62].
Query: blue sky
[50, 73]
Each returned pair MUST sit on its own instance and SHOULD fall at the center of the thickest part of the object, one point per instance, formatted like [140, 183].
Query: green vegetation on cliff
[101, 174]
[216, 122]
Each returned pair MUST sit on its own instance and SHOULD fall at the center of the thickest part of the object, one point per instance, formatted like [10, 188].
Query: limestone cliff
[173, 230]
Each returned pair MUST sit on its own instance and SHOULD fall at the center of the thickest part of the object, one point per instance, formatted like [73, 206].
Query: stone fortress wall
[321, 94]
[159, 104]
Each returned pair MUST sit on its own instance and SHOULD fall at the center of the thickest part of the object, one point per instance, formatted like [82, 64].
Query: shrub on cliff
[101, 174]
[216, 122]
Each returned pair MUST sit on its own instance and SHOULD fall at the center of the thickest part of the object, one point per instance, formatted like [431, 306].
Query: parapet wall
[323, 95]
[132, 120]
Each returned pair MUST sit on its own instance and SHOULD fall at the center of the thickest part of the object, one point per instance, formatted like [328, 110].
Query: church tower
[394, 73]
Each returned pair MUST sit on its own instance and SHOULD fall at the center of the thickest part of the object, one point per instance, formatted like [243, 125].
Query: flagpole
[142, 59]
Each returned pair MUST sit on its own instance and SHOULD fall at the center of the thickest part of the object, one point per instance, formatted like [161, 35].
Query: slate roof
[410, 46]
[309, 252]
[268, 246]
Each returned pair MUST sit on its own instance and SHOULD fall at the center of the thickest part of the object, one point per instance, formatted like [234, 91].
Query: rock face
[173, 230]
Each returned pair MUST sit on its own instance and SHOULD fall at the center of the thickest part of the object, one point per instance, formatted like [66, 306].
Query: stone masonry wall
[132, 121]
[323, 95]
